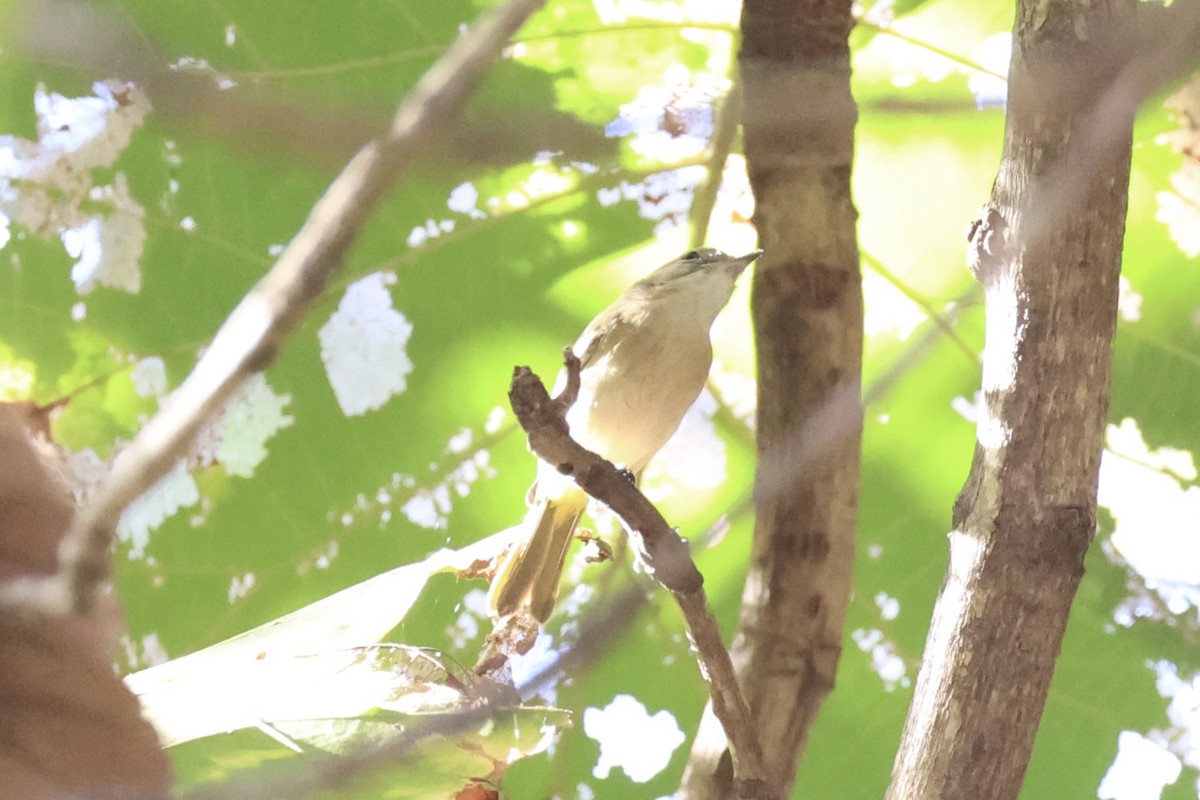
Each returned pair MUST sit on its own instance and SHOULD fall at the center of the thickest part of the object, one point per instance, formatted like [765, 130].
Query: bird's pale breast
[632, 399]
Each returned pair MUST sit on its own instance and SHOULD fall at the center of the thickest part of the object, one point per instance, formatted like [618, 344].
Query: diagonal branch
[257, 329]
[660, 548]
[483, 703]
[192, 97]
[728, 117]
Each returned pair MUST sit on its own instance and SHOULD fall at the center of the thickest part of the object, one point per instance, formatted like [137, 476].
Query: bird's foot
[604, 551]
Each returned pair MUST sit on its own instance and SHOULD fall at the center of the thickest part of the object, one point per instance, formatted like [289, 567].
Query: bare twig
[326, 775]
[664, 553]
[196, 98]
[728, 117]
[945, 321]
[260, 325]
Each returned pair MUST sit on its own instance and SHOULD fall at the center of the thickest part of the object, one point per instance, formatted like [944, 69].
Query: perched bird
[643, 362]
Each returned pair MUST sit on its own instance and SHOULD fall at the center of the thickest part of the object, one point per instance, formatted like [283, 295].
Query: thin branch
[258, 328]
[586, 184]
[945, 322]
[949, 55]
[664, 553]
[197, 98]
[327, 775]
[646, 26]
[729, 116]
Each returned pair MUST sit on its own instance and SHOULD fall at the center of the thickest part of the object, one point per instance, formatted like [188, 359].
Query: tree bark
[1047, 250]
[68, 726]
[807, 307]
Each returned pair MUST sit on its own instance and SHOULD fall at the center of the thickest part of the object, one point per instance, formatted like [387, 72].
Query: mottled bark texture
[807, 306]
[1047, 250]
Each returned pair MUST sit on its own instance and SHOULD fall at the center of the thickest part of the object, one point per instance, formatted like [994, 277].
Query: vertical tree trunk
[807, 306]
[68, 726]
[1048, 252]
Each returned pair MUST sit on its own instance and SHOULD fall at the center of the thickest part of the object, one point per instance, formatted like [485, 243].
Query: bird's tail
[528, 574]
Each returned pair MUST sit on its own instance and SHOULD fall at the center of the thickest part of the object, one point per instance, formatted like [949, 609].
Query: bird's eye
[691, 255]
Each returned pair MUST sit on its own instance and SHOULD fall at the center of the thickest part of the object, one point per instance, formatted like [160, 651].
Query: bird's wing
[600, 336]
[594, 341]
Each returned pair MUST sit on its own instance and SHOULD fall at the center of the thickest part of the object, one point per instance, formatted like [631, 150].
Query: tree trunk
[1048, 252]
[807, 306]
[68, 726]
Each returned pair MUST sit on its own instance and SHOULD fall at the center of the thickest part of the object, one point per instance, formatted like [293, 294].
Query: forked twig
[257, 329]
[664, 553]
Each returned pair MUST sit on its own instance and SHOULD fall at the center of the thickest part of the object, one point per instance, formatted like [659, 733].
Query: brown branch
[68, 724]
[199, 100]
[257, 329]
[310, 776]
[664, 553]
[728, 113]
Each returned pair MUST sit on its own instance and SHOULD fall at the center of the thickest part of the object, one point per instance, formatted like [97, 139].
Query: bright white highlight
[632, 739]
[364, 347]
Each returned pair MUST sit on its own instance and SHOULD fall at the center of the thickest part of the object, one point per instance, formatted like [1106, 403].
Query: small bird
[643, 362]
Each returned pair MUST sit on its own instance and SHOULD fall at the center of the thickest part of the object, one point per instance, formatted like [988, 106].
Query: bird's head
[700, 281]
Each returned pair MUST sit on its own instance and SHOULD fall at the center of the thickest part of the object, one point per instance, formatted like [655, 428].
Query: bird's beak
[738, 265]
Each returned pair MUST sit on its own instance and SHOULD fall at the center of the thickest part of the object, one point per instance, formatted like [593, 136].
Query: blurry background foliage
[344, 463]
